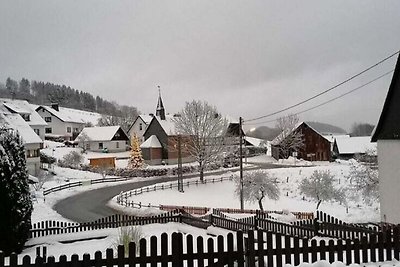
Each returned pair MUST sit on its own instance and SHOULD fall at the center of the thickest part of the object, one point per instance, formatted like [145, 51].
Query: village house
[387, 136]
[27, 112]
[349, 147]
[65, 123]
[31, 141]
[316, 146]
[160, 144]
[139, 126]
[256, 145]
[103, 139]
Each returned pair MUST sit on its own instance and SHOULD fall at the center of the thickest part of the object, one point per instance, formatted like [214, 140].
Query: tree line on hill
[45, 93]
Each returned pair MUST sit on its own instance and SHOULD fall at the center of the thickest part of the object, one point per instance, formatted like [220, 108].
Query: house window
[87, 146]
[37, 131]
[47, 119]
[48, 130]
[68, 129]
[76, 130]
[117, 145]
[100, 145]
[32, 153]
[140, 126]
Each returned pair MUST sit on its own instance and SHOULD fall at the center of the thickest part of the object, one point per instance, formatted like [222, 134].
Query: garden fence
[257, 248]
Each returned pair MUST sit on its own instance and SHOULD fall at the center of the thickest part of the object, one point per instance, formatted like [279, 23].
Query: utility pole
[180, 178]
[241, 163]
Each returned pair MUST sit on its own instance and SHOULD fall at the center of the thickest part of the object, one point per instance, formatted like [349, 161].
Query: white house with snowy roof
[139, 126]
[103, 139]
[27, 112]
[348, 147]
[66, 123]
[31, 141]
[387, 136]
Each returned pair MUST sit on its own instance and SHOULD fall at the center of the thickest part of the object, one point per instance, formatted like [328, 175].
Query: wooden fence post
[177, 249]
[240, 249]
[396, 242]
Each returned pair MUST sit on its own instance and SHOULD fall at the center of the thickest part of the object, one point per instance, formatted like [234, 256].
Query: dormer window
[26, 117]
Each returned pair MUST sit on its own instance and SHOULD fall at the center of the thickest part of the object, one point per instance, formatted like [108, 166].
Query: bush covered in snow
[71, 160]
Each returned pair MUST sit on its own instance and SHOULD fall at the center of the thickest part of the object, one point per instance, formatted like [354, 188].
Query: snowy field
[212, 195]
[221, 195]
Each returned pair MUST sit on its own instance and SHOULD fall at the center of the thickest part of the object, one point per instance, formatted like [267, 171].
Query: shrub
[71, 160]
[127, 235]
[47, 159]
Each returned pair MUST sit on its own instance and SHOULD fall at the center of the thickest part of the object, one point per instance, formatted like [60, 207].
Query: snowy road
[91, 205]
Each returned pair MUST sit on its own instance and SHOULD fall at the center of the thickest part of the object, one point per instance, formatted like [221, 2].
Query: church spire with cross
[160, 112]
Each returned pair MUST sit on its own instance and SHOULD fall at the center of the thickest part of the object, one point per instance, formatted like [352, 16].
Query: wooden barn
[316, 146]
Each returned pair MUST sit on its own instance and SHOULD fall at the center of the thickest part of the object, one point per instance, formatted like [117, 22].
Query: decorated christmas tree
[15, 200]
[136, 159]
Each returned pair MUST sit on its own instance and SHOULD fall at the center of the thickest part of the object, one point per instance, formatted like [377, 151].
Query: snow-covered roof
[331, 137]
[283, 135]
[23, 107]
[74, 115]
[256, 142]
[104, 133]
[151, 142]
[168, 124]
[388, 127]
[355, 145]
[146, 118]
[17, 123]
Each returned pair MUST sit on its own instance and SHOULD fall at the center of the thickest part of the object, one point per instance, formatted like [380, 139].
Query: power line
[326, 91]
[331, 100]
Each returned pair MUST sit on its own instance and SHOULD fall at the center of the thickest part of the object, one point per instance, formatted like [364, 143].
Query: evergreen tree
[15, 201]
[11, 86]
[24, 88]
[136, 159]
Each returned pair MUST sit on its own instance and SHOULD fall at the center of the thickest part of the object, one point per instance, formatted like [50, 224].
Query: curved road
[92, 205]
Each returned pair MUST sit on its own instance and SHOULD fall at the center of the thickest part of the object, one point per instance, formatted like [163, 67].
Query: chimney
[54, 106]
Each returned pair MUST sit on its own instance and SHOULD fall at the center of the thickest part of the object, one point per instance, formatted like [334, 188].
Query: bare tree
[289, 140]
[257, 185]
[125, 122]
[364, 181]
[320, 188]
[83, 138]
[361, 129]
[205, 128]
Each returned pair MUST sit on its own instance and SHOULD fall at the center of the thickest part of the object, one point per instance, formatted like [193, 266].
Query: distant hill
[324, 128]
[263, 132]
[267, 133]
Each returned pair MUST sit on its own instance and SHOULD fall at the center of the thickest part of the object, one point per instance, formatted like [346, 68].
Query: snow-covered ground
[221, 195]
[217, 195]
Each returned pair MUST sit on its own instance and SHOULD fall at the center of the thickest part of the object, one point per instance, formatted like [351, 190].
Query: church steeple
[160, 106]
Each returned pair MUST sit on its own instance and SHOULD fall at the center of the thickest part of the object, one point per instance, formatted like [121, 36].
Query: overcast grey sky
[248, 58]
